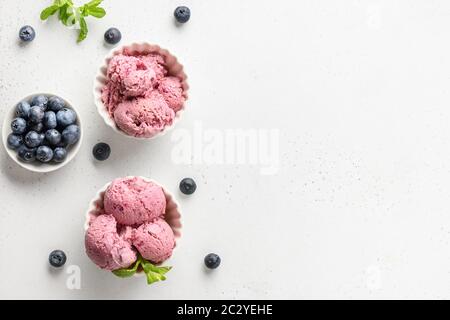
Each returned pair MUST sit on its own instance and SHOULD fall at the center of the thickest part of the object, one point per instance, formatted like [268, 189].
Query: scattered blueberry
[32, 139]
[23, 110]
[182, 14]
[101, 151]
[36, 114]
[19, 126]
[65, 117]
[44, 154]
[188, 186]
[50, 120]
[59, 154]
[26, 154]
[212, 261]
[57, 258]
[53, 137]
[71, 134]
[27, 33]
[113, 36]
[38, 127]
[14, 141]
[40, 100]
[56, 103]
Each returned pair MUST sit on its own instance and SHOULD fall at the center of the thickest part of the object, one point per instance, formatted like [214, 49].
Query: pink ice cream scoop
[120, 66]
[154, 241]
[144, 117]
[105, 247]
[133, 201]
[172, 92]
[140, 95]
[156, 63]
[138, 82]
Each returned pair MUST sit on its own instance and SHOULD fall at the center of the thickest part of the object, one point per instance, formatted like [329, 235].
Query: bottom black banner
[226, 309]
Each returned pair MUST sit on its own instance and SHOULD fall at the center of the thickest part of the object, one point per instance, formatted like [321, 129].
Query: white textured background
[360, 91]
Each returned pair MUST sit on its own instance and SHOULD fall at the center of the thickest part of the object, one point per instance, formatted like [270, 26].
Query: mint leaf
[66, 15]
[93, 3]
[69, 15]
[124, 273]
[154, 273]
[154, 277]
[84, 10]
[60, 3]
[160, 270]
[83, 30]
[97, 12]
[47, 12]
[128, 272]
[68, 18]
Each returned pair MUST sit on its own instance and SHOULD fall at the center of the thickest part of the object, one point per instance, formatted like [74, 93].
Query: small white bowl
[172, 214]
[37, 166]
[174, 69]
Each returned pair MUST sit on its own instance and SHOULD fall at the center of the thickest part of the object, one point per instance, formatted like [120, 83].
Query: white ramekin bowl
[172, 215]
[174, 69]
[36, 166]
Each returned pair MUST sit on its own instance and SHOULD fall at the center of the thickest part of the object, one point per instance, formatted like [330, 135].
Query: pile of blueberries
[43, 129]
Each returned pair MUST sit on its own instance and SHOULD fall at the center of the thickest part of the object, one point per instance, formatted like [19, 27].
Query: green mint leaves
[153, 273]
[92, 9]
[128, 272]
[47, 12]
[69, 15]
[83, 30]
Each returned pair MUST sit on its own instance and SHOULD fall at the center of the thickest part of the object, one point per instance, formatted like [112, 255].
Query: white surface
[360, 91]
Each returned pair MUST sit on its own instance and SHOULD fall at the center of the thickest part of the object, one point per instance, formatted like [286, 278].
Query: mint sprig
[152, 272]
[70, 15]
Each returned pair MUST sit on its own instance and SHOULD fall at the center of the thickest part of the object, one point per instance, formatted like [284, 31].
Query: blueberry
[27, 33]
[101, 151]
[50, 120]
[53, 137]
[188, 186]
[32, 139]
[62, 144]
[71, 134]
[57, 258]
[59, 154]
[19, 126]
[65, 117]
[38, 127]
[14, 141]
[26, 154]
[212, 261]
[40, 100]
[44, 154]
[182, 14]
[36, 114]
[56, 103]
[23, 110]
[113, 36]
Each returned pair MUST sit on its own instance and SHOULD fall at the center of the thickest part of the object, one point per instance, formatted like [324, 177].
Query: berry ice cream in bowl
[42, 132]
[141, 90]
[131, 228]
